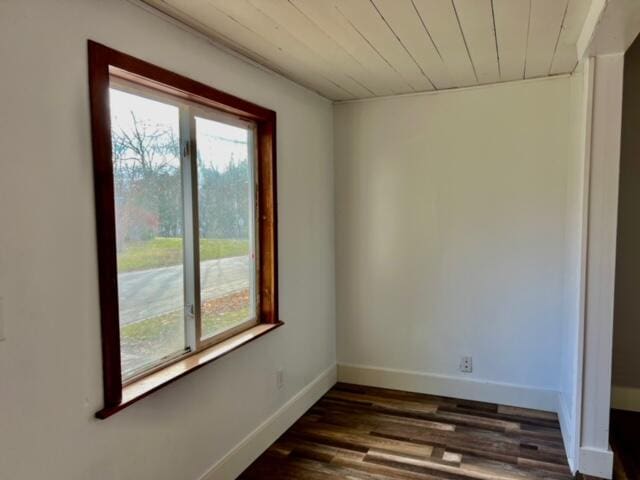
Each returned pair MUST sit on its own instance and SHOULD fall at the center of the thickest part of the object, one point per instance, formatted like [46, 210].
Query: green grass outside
[167, 251]
[212, 324]
[163, 335]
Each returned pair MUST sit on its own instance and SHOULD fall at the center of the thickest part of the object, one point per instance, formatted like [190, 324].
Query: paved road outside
[149, 293]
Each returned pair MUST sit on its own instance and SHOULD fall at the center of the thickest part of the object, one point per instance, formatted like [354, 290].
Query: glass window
[149, 229]
[186, 263]
[226, 238]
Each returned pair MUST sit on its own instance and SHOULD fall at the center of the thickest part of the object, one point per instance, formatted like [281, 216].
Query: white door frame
[595, 457]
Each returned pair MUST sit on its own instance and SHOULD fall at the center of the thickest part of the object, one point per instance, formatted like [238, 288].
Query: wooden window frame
[105, 63]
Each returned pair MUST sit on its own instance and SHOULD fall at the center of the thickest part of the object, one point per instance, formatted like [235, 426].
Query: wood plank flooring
[368, 433]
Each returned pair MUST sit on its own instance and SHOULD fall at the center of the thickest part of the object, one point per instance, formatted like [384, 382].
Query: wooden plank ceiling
[348, 49]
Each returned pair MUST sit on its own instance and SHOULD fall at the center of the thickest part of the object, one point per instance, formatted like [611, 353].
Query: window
[185, 208]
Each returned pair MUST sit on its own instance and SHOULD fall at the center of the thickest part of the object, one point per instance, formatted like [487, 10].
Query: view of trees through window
[225, 210]
[150, 227]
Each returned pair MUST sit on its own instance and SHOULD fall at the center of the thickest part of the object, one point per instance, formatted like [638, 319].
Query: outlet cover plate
[466, 364]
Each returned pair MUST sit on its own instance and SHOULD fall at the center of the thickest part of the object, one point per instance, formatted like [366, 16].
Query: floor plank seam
[371, 433]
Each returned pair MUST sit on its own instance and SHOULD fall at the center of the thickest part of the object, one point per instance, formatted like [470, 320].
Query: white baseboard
[596, 462]
[450, 386]
[625, 398]
[591, 461]
[252, 446]
[567, 427]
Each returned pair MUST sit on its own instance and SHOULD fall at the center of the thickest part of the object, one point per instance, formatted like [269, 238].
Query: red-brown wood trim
[142, 72]
[105, 223]
[267, 215]
[103, 62]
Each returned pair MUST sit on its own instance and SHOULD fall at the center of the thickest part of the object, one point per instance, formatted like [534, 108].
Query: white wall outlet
[280, 379]
[466, 364]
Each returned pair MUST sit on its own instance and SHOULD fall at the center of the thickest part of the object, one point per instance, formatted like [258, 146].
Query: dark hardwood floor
[625, 442]
[367, 433]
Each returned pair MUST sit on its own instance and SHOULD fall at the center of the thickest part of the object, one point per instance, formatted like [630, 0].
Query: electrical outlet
[280, 379]
[466, 364]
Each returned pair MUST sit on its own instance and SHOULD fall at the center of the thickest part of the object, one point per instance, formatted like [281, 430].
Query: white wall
[50, 364]
[450, 238]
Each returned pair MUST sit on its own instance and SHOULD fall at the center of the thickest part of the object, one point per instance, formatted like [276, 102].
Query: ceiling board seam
[307, 47]
[374, 48]
[526, 50]
[562, 25]
[402, 44]
[232, 18]
[226, 45]
[339, 86]
[319, 27]
[464, 39]
[312, 50]
[355, 80]
[457, 89]
[427, 32]
[495, 38]
[324, 42]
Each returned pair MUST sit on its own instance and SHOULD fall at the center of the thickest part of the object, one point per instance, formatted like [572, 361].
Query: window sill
[139, 389]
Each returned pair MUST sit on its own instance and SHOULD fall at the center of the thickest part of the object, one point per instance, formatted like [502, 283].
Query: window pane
[225, 191]
[148, 204]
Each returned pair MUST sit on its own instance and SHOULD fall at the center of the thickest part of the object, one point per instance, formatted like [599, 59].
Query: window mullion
[254, 297]
[190, 195]
[193, 151]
